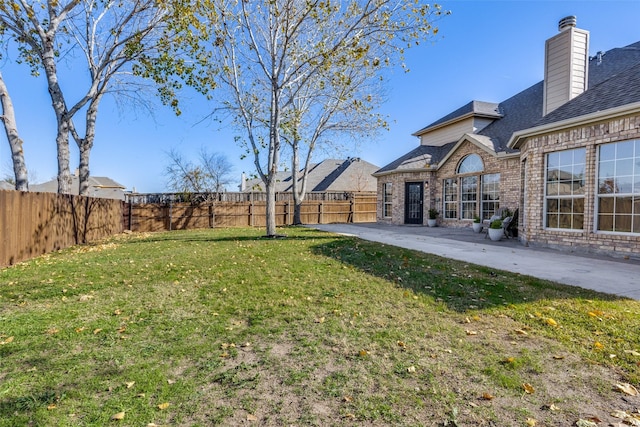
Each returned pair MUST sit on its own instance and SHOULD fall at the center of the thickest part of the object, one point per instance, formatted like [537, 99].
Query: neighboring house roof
[99, 186]
[352, 174]
[4, 185]
[613, 81]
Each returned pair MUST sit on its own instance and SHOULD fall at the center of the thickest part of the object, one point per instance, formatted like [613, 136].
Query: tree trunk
[11, 129]
[86, 144]
[271, 207]
[62, 144]
[60, 108]
[297, 200]
[83, 169]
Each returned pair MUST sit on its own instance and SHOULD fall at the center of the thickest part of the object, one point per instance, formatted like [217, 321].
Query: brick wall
[534, 152]
[509, 169]
[398, 181]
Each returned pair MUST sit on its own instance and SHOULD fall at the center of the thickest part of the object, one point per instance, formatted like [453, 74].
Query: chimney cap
[566, 23]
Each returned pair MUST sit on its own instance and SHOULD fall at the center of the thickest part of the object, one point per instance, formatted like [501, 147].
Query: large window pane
[619, 187]
[490, 195]
[450, 198]
[565, 184]
[471, 163]
[468, 196]
[387, 200]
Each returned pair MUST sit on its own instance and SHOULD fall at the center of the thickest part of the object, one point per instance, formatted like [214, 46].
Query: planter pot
[495, 234]
[431, 222]
[477, 227]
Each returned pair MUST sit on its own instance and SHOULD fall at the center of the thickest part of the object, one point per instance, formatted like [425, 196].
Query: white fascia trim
[412, 170]
[454, 120]
[573, 122]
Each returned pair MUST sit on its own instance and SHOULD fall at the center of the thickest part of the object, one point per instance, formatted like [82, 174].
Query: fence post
[251, 209]
[352, 210]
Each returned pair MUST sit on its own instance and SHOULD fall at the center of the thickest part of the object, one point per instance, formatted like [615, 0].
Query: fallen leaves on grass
[528, 388]
[130, 384]
[531, 422]
[163, 406]
[487, 396]
[117, 417]
[252, 418]
[632, 352]
[551, 322]
[627, 388]
[585, 423]
[628, 418]
[6, 341]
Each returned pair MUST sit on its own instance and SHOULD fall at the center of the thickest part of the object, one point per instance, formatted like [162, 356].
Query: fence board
[32, 224]
[158, 212]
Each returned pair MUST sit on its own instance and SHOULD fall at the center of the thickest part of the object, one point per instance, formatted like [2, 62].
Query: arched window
[471, 163]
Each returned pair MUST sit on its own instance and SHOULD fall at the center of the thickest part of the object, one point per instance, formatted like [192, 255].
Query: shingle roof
[621, 89]
[417, 158]
[352, 174]
[614, 80]
[4, 185]
[99, 186]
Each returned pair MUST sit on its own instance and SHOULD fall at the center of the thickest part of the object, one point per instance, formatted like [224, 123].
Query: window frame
[450, 183]
[574, 200]
[387, 200]
[485, 212]
[631, 197]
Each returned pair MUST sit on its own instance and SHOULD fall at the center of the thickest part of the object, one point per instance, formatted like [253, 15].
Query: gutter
[610, 113]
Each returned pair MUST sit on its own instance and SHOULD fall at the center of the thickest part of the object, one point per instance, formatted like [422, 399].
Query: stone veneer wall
[533, 154]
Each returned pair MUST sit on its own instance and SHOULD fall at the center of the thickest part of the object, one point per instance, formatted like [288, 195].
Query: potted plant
[433, 216]
[495, 230]
[477, 224]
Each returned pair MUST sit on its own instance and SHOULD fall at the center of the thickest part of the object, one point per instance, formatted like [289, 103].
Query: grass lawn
[225, 327]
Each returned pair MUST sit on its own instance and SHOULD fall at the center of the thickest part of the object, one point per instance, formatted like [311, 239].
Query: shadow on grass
[461, 286]
[242, 235]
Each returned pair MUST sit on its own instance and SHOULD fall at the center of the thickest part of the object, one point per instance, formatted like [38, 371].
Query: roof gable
[472, 109]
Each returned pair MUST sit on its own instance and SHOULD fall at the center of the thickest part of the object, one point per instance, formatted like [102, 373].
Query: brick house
[564, 152]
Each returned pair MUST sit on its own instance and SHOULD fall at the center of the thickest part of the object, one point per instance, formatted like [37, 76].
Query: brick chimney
[565, 65]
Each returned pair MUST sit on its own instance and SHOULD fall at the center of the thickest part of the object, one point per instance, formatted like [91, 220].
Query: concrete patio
[617, 276]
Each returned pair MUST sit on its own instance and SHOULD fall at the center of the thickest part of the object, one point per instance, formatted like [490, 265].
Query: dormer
[471, 118]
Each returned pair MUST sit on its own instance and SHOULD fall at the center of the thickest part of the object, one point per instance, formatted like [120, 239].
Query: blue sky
[485, 50]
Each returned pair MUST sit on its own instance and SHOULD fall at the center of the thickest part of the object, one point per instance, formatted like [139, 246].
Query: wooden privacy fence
[159, 212]
[33, 224]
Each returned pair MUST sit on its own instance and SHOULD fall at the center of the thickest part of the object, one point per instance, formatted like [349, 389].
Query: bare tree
[35, 29]
[20, 174]
[264, 53]
[210, 174]
[110, 34]
[338, 102]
